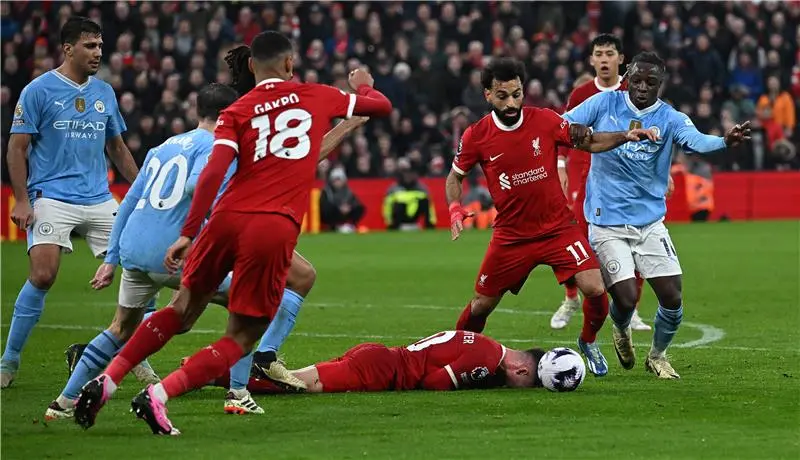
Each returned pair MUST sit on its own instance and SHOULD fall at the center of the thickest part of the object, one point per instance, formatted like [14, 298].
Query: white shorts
[54, 220]
[137, 288]
[624, 250]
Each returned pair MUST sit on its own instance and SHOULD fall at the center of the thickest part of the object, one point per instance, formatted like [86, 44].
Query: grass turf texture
[739, 396]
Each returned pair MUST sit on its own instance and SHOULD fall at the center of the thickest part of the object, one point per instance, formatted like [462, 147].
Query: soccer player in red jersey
[448, 360]
[253, 230]
[516, 148]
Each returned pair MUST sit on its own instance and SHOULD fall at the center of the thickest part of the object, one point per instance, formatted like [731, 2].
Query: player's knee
[483, 305]
[671, 300]
[302, 279]
[125, 322]
[593, 289]
[43, 277]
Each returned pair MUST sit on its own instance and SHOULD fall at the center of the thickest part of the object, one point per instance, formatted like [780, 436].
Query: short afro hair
[650, 57]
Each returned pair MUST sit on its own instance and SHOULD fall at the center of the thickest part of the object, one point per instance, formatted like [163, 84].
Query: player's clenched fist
[176, 253]
[579, 134]
[360, 77]
[457, 216]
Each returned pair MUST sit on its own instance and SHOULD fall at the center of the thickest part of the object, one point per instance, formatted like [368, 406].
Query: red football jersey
[520, 165]
[276, 132]
[451, 360]
[579, 160]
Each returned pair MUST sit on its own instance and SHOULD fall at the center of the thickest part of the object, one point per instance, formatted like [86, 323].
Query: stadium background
[737, 351]
[723, 59]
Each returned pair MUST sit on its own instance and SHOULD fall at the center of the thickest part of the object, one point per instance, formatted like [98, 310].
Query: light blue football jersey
[154, 209]
[69, 125]
[626, 185]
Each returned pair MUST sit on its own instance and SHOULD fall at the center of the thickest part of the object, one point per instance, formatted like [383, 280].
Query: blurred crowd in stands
[728, 62]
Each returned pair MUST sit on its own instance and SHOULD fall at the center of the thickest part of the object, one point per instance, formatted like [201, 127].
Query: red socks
[149, 337]
[204, 366]
[595, 310]
[571, 288]
[469, 322]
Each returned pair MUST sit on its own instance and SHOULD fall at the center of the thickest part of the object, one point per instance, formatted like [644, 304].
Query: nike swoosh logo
[582, 261]
[492, 158]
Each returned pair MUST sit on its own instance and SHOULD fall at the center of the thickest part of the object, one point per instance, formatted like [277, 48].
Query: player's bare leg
[595, 310]
[570, 305]
[667, 321]
[204, 366]
[623, 294]
[149, 337]
[474, 316]
[44, 261]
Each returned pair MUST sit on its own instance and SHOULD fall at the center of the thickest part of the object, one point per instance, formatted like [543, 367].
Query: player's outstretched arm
[22, 214]
[335, 136]
[453, 190]
[122, 158]
[603, 142]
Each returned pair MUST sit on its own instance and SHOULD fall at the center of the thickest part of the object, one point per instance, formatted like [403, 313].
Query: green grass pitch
[737, 353]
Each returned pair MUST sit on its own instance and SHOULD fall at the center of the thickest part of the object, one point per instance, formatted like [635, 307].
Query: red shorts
[257, 247]
[506, 266]
[365, 367]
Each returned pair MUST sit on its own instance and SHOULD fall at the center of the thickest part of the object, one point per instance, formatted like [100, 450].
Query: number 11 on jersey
[579, 254]
[301, 121]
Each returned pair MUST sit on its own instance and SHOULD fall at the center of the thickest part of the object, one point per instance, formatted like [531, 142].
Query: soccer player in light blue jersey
[63, 124]
[625, 203]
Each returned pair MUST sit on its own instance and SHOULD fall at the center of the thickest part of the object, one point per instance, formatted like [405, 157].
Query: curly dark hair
[242, 79]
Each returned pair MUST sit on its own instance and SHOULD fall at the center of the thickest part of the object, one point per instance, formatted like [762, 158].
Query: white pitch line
[709, 334]
[320, 335]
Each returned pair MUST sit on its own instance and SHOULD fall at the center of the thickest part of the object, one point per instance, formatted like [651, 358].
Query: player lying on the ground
[275, 133]
[449, 360]
[516, 148]
[148, 222]
[625, 203]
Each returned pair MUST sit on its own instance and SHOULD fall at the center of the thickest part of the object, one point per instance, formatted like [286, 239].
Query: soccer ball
[561, 369]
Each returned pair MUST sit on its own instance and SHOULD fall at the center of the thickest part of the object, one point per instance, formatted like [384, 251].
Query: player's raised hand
[640, 134]
[176, 253]
[457, 216]
[103, 277]
[22, 214]
[360, 77]
[738, 134]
